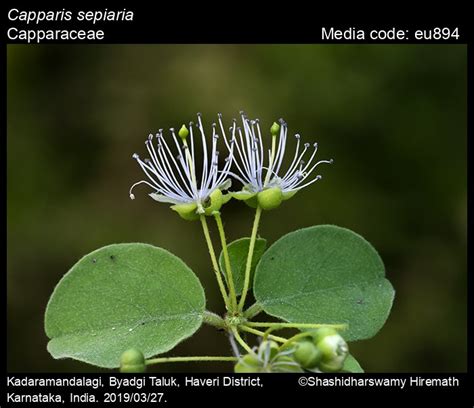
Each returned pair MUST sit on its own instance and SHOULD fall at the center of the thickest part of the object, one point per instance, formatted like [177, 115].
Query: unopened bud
[132, 361]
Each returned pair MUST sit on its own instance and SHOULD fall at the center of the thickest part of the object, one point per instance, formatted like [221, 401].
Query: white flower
[271, 184]
[172, 174]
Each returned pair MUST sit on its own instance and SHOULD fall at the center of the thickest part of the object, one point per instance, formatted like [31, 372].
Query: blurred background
[392, 117]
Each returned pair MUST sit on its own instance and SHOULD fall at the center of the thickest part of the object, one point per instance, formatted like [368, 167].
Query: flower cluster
[173, 174]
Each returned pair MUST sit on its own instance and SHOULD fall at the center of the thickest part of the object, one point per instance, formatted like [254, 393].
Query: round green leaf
[119, 297]
[325, 274]
[238, 251]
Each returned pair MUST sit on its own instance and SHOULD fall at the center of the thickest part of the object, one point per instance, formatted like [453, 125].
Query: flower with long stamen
[174, 176]
[266, 183]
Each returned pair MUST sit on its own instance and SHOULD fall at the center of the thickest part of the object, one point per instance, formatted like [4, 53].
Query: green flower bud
[333, 348]
[186, 211]
[248, 364]
[307, 354]
[214, 202]
[321, 333]
[275, 129]
[270, 198]
[183, 132]
[132, 361]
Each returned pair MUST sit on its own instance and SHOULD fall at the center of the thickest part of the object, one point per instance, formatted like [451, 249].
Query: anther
[132, 196]
[315, 144]
[135, 156]
[297, 136]
[331, 161]
[306, 145]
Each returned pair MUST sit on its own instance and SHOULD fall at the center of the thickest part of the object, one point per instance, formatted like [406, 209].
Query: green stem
[188, 359]
[248, 266]
[213, 319]
[215, 265]
[295, 325]
[262, 334]
[241, 340]
[253, 311]
[230, 278]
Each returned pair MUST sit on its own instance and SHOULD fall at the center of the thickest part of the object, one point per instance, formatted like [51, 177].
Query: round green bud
[132, 361]
[307, 354]
[214, 202]
[334, 351]
[270, 198]
[333, 366]
[183, 132]
[248, 364]
[321, 333]
[275, 129]
[186, 211]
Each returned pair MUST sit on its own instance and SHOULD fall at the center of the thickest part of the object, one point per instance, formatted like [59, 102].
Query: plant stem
[262, 334]
[188, 359]
[295, 325]
[248, 266]
[215, 265]
[230, 278]
[292, 339]
[253, 311]
[241, 341]
[213, 319]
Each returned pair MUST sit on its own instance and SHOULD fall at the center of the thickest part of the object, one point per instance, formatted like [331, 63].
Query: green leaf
[351, 365]
[325, 274]
[238, 251]
[119, 297]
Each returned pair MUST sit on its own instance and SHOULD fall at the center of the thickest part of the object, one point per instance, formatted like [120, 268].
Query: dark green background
[392, 117]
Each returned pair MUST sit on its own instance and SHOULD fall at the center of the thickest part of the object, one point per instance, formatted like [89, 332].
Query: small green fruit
[307, 354]
[132, 361]
[270, 198]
